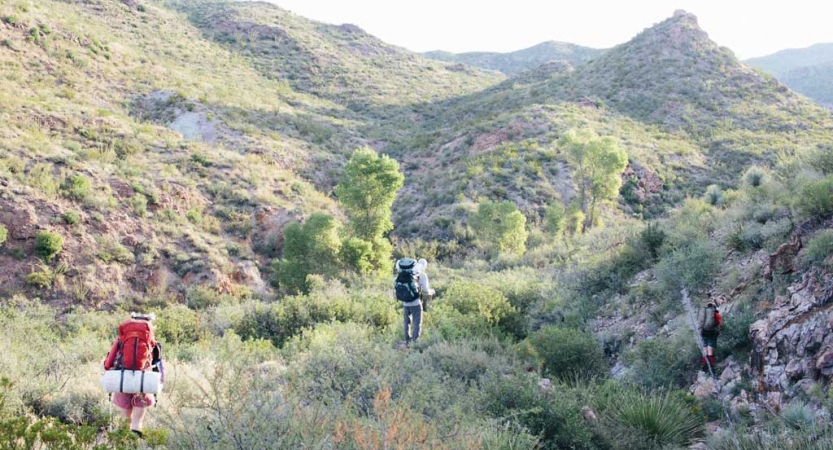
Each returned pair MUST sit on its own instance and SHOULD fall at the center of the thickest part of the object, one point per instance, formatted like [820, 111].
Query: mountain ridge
[515, 62]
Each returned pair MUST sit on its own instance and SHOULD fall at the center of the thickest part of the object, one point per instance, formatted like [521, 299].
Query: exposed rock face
[794, 343]
[642, 182]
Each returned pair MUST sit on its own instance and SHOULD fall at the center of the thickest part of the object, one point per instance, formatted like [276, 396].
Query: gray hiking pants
[413, 313]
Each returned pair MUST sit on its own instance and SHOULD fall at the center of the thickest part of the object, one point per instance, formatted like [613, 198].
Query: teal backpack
[406, 286]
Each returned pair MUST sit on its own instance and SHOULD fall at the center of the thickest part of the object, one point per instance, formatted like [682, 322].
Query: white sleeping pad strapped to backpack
[131, 381]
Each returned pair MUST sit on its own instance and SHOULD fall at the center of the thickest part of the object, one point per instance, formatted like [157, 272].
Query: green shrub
[815, 199]
[636, 420]
[500, 226]
[78, 186]
[799, 416]
[71, 217]
[283, 320]
[663, 362]
[754, 177]
[819, 249]
[48, 245]
[568, 353]
[357, 255]
[473, 299]
[734, 338]
[311, 248]
[75, 407]
[4, 233]
[692, 267]
[713, 195]
[41, 279]
[140, 204]
[176, 324]
[553, 415]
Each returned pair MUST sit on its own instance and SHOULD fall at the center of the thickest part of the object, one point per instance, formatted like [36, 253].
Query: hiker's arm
[719, 319]
[111, 357]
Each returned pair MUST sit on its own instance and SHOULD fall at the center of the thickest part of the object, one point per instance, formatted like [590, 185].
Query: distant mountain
[814, 81]
[808, 71]
[513, 63]
[781, 63]
[673, 74]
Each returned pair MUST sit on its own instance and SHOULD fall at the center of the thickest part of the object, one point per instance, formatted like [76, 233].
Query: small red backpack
[136, 344]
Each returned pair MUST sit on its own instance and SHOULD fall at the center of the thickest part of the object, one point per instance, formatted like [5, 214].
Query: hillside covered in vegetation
[250, 176]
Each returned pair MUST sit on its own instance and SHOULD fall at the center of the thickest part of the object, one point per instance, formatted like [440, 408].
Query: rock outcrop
[793, 345]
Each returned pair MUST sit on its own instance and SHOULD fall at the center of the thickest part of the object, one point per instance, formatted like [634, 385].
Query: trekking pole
[690, 310]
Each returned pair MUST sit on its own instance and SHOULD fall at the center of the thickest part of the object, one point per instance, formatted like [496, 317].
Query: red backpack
[135, 344]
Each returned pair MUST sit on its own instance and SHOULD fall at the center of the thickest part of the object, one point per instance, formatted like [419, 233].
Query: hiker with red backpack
[411, 288]
[711, 322]
[134, 369]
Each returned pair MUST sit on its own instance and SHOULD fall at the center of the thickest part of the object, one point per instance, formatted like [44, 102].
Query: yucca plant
[662, 418]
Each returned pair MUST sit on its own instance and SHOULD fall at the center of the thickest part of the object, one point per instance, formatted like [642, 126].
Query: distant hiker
[411, 282]
[710, 324]
[135, 351]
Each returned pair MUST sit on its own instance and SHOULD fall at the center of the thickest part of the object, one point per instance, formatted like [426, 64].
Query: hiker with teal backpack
[411, 286]
[711, 322]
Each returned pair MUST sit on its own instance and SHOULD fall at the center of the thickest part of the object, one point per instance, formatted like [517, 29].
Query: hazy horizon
[750, 29]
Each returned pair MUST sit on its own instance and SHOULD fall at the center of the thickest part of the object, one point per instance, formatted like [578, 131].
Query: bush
[75, 407]
[41, 279]
[311, 248]
[48, 244]
[474, 299]
[176, 324]
[663, 362]
[713, 195]
[4, 233]
[636, 420]
[754, 177]
[71, 217]
[818, 250]
[500, 226]
[734, 339]
[553, 415]
[568, 353]
[693, 267]
[815, 199]
[283, 320]
[78, 186]
[799, 416]
[357, 255]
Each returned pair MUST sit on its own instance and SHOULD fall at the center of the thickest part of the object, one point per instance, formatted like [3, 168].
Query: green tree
[599, 163]
[311, 248]
[500, 225]
[367, 192]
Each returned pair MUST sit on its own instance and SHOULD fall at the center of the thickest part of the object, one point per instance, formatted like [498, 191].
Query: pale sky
[749, 27]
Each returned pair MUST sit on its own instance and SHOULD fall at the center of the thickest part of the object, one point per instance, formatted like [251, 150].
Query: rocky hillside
[513, 63]
[166, 160]
[687, 112]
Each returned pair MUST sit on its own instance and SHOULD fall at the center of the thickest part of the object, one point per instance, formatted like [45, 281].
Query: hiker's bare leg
[125, 412]
[137, 418]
